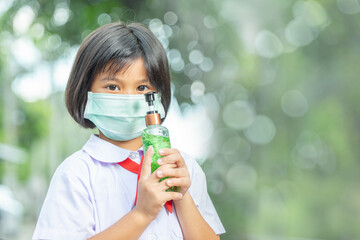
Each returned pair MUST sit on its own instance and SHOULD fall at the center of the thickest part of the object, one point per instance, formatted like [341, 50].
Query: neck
[132, 145]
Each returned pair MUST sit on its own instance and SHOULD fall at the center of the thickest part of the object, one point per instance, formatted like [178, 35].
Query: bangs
[114, 66]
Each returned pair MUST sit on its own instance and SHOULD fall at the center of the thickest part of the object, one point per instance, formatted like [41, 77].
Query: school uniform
[89, 192]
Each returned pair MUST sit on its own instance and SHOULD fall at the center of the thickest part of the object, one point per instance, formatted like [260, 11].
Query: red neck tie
[133, 167]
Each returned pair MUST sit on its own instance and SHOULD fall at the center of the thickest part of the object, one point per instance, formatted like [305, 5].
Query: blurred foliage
[283, 79]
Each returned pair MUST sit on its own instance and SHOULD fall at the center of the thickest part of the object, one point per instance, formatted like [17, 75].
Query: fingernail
[159, 173]
[161, 152]
[169, 182]
[160, 161]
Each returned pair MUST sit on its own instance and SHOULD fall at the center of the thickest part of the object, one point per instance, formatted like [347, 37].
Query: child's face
[132, 80]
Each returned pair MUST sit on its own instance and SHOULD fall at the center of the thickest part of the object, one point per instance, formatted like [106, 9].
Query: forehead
[134, 68]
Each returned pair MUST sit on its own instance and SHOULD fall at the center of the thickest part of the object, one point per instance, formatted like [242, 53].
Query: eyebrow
[110, 78]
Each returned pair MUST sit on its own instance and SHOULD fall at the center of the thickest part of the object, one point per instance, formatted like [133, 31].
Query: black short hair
[117, 44]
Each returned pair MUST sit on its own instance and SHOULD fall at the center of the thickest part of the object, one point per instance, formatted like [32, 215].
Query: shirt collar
[104, 151]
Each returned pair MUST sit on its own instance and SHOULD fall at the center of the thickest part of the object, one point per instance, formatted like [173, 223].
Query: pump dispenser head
[152, 116]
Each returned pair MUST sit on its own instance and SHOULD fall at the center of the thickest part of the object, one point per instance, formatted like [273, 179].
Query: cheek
[95, 87]
[91, 88]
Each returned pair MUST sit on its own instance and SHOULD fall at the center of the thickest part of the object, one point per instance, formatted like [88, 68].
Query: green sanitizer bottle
[155, 134]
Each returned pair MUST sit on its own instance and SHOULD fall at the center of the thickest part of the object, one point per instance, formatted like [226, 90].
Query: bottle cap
[152, 116]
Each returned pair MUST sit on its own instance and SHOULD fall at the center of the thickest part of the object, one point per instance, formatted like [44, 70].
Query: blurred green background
[265, 97]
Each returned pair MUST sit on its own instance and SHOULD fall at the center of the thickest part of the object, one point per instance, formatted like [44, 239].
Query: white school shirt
[89, 192]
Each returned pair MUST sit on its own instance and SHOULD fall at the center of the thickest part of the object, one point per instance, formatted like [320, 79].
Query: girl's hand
[172, 165]
[152, 194]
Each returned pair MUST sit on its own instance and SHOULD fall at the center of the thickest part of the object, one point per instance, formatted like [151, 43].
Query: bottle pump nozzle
[152, 116]
[150, 98]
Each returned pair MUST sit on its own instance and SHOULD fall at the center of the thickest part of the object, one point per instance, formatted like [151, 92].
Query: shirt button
[133, 155]
[152, 237]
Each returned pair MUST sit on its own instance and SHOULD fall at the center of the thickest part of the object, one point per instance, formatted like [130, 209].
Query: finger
[158, 173]
[177, 182]
[170, 172]
[155, 176]
[172, 158]
[146, 166]
[167, 196]
[163, 185]
[168, 151]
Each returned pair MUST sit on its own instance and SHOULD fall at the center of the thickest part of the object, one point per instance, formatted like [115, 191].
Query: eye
[112, 87]
[142, 88]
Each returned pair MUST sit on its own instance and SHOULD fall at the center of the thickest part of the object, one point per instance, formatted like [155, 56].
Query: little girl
[92, 194]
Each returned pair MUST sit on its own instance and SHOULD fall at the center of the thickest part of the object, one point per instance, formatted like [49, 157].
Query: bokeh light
[53, 42]
[32, 56]
[103, 19]
[310, 151]
[236, 149]
[38, 82]
[196, 57]
[311, 12]
[210, 22]
[268, 45]
[23, 20]
[206, 65]
[294, 103]
[241, 178]
[61, 14]
[261, 131]
[170, 18]
[238, 115]
[349, 6]
[299, 33]
[37, 31]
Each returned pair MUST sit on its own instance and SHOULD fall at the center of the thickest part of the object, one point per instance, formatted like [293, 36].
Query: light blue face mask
[119, 117]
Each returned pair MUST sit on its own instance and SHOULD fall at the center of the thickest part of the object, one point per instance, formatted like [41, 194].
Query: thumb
[146, 166]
